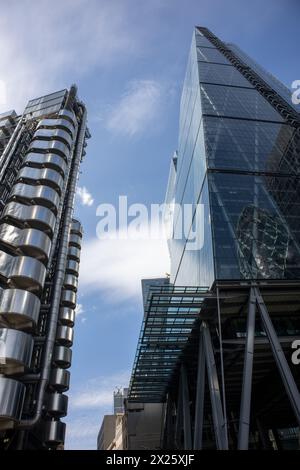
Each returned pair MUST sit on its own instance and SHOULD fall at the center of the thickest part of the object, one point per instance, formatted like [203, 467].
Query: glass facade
[45, 105]
[240, 160]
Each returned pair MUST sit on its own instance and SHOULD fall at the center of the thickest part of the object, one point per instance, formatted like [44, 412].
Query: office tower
[119, 397]
[113, 430]
[40, 244]
[216, 344]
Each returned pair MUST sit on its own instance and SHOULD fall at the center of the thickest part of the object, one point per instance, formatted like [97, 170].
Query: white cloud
[82, 428]
[98, 392]
[137, 108]
[92, 399]
[88, 404]
[50, 50]
[116, 267]
[79, 310]
[3, 99]
[85, 196]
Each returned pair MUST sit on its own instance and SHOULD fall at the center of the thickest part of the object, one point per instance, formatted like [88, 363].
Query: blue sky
[128, 58]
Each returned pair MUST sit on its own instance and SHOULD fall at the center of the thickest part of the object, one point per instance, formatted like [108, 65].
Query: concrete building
[215, 345]
[106, 436]
[40, 242]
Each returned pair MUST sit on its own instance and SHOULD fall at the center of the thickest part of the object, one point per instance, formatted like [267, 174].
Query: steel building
[40, 244]
[216, 344]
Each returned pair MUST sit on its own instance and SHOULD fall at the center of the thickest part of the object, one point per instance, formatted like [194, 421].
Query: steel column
[168, 429]
[178, 424]
[245, 410]
[282, 364]
[214, 389]
[186, 410]
[200, 391]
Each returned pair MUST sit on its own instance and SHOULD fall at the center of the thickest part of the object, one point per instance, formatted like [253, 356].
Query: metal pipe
[59, 280]
[30, 378]
[9, 149]
[60, 209]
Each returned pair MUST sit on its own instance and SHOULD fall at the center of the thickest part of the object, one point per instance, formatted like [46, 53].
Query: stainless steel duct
[59, 280]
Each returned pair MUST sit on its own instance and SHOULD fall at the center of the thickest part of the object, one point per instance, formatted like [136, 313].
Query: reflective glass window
[236, 102]
[221, 74]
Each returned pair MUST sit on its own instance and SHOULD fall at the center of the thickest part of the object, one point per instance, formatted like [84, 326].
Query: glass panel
[221, 74]
[256, 226]
[42, 99]
[203, 41]
[194, 266]
[251, 145]
[211, 55]
[236, 102]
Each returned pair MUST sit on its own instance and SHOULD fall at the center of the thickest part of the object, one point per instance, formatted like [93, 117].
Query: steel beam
[282, 364]
[200, 391]
[245, 410]
[178, 424]
[214, 389]
[186, 410]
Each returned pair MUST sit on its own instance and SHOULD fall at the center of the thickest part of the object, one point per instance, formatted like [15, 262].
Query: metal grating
[170, 316]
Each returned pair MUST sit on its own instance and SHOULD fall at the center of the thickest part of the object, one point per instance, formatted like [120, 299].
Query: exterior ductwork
[57, 405]
[59, 379]
[19, 309]
[67, 316]
[54, 146]
[64, 335]
[46, 160]
[72, 267]
[71, 282]
[28, 241]
[12, 395]
[54, 134]
[40, 195]
[54, 432]
[60, 356]
[40, 247]
[74, 253]
[15, 351]
[44, 176]
[57, 124]
[22, 272]
[38, 217]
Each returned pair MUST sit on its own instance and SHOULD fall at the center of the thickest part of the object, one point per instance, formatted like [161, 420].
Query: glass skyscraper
[239, 157]
[215, 348]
